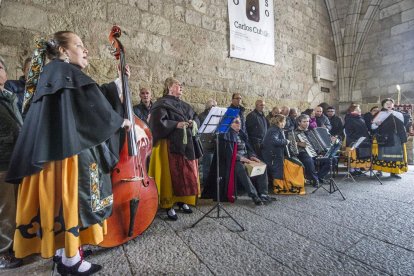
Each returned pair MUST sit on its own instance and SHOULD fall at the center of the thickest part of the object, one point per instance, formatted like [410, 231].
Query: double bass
[135, 193]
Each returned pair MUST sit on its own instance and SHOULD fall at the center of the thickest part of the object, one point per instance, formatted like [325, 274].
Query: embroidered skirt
[293, 181]
[397, 167]
[55, 207]
[159, 169]
[364, 163]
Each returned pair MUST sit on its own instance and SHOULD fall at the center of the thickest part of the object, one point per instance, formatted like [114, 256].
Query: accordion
[318, 141]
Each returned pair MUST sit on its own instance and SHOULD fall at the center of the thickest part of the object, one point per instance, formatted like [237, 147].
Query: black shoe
[379, 173]
[184, 207]
[257, 201]
[395, 176]
[315, 183]
[171, 214]
[74, 270]
[266, 199]
[9, 261]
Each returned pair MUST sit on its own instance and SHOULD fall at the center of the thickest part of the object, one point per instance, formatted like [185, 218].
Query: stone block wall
[388, 55]
[188, 39]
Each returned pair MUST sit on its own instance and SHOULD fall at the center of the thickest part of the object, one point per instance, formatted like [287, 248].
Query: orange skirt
[293, 181]
[40, 227]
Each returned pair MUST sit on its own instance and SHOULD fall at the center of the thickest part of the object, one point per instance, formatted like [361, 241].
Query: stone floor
[369, 233]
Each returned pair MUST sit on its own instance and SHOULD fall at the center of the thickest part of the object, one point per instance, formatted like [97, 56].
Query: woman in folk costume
[287, 178]
[65, 191]
[173, 162]
[355, 128]
[390, 153]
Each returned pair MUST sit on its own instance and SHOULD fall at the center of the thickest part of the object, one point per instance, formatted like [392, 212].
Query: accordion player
[307, 145]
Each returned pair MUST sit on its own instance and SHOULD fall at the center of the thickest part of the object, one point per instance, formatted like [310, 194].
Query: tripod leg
[206, 214]
[334, 187]
[241, 227]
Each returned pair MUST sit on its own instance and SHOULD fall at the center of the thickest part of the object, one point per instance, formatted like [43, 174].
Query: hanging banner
[252, 30]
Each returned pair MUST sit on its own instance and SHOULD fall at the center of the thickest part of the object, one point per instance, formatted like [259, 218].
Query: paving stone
[369, 233]
[392, 259]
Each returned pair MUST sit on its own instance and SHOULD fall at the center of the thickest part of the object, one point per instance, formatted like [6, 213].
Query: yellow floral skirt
[159, 169]
[354, 162]
[47, 216]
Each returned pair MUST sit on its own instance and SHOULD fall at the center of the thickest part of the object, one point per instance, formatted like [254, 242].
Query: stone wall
[388, 55]
[187, 39]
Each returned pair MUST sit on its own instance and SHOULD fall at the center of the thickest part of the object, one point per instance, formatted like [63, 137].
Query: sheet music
[212, 120]
[381, 116]
[358, 142]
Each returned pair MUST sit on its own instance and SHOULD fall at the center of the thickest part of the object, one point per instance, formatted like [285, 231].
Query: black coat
[355, 128]
[68, 114]
[166, 113]
[391, 125]
[141, 111]
[17, 87]
[337, 126]
[273, 151]
[256, 126]
[10, 125]
[323, 121]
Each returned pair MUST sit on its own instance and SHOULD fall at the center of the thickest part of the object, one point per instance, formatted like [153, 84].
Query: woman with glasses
[234, 152]
[173, 163]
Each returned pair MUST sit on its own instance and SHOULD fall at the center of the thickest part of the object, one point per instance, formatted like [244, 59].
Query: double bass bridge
[132, 179]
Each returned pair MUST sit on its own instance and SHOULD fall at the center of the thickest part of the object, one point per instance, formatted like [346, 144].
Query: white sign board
[324, 68]
[252, 35]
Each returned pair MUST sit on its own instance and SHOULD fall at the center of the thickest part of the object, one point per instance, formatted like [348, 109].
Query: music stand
[219, 121]
[330, 155]
[354, 146]
[371, 158]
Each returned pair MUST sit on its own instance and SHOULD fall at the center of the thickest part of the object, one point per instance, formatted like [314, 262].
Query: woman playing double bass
[60, 159]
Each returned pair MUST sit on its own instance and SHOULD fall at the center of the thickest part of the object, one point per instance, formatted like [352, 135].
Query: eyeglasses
[236, 122]
[238, 98]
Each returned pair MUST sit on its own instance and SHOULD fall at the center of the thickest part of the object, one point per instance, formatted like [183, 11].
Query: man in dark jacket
[10, 125]
[321, 119]
[143, 108]
[236, 100]
[256, 125]
[17, 86]
[336, 123]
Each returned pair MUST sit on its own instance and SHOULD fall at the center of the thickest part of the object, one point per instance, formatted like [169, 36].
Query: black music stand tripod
[333, 187]
[222, 127]
[371, 170]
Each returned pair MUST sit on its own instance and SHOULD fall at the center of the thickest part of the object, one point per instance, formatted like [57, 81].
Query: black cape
[165, 115]
[68, 114]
